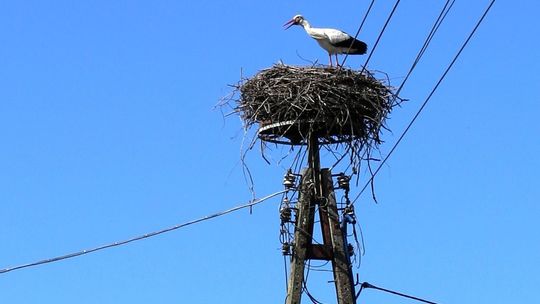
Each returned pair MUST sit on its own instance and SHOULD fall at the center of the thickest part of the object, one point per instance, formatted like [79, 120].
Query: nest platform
[334, 104]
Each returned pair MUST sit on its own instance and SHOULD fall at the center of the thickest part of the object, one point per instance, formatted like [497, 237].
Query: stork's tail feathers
[358, 47]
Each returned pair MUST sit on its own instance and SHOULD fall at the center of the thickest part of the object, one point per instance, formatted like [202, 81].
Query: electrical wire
[440, 19]
[138, 238]
[304, 283]
[367, 285]
[428, 98]
[380, 35]
[286, 274]
[358, 31]
[360, 245]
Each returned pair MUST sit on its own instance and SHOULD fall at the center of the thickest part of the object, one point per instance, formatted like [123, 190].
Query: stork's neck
[305, 24]
[311, 31]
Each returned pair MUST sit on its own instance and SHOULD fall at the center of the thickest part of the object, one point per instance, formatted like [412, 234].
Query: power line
[141, 237]
[367, 285]
[425, 102]
[358, 31]
[380, 34]
[444, 12]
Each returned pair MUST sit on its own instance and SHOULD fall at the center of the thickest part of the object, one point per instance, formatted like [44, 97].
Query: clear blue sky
[108, 131]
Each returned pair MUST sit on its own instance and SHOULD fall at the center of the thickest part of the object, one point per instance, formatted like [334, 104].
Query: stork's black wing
[357, 46]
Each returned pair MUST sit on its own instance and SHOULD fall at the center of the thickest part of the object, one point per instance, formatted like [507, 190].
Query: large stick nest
[335, 104]
[339, 107]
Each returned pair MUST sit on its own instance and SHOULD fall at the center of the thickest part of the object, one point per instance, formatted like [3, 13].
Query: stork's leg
[330, 57]
[337, 61]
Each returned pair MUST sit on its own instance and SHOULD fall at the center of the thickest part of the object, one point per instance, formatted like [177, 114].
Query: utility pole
[316, 190]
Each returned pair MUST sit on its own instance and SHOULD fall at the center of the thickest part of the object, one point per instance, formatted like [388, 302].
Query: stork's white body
[328, 38]
[333, 41]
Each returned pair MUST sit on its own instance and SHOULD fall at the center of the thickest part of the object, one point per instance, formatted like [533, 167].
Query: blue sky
[109, 131]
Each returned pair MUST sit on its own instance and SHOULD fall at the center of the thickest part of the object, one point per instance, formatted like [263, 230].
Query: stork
[333, 41]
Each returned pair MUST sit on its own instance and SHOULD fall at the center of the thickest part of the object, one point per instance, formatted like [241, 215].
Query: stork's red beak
[289, 23]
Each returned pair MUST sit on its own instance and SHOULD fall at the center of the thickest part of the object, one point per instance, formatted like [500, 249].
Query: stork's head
[296, 20]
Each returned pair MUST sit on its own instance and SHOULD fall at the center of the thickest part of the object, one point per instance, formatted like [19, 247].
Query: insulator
[286, 249]
[350, 248]
[289, 180]
[349, 210]
[343, 181]
[288, 184]
[285, 214]
[348, 214]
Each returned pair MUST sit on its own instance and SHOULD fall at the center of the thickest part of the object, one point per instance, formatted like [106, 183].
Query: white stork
[332, 40]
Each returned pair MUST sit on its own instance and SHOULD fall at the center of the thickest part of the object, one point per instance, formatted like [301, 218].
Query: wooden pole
[309, 190]
[316, 189]
[341, 264]
[302, 237]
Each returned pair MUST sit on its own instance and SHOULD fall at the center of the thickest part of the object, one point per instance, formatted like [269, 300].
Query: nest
[344, 110]
[336, 105]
